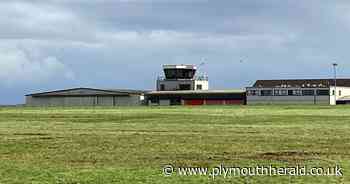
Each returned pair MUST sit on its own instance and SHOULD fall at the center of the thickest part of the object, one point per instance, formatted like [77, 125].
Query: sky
[58, 44]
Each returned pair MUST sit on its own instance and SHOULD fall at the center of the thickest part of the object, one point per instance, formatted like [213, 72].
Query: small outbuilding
[86, 97]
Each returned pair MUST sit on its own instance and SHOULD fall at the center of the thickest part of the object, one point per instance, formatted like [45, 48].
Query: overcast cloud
[55, 44]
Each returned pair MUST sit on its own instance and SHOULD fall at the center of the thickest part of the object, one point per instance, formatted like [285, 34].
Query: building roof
[301, 83]
[182, 66]
[195, 92]
[88, 92]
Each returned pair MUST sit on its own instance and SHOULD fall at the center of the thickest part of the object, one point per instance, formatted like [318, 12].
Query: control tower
[181, 77]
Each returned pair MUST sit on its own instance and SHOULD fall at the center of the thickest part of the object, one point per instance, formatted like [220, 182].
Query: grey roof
[301, 83]
[132, 91]
[195, 92]
[88, 92]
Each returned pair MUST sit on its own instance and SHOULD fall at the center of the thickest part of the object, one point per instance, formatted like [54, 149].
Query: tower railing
[197, 77]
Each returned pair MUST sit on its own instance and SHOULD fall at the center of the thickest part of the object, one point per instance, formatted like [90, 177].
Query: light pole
[335, 82]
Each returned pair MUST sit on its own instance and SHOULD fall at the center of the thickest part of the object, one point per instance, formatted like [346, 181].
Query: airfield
[132, 144]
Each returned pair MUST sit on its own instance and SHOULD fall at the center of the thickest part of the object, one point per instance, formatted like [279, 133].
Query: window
[297, 92]
[339, 92]
[294, 92]
[199, 87]
[266, 92]
[290, 92]
[308, 92]
[322, 92]
[333, 92]
[162, 87]
[179, 73]
[253, 92]
[284, 92]
[277, 92]
[185, 87]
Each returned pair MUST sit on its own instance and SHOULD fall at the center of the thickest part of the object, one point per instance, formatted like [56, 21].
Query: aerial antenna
[201, 73]
[202, 63]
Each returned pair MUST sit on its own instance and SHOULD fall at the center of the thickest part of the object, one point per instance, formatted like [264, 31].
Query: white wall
[205, 84]
[345, 91]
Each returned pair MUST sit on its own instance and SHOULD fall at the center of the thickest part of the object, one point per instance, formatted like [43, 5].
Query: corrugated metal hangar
[86, 97]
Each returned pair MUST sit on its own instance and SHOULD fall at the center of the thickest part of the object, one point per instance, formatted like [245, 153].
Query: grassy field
[132, 145]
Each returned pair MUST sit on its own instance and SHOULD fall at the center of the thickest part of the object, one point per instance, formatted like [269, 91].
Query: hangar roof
[88, 92]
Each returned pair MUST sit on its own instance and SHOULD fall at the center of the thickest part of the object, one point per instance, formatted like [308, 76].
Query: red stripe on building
[194, 102]
[234, 102]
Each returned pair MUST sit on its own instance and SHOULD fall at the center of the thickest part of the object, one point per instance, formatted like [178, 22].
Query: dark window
[284, 92]
[339, 92]
[154, 100]
[199, 87]
[277, 92]
[323, 92]
[290, 92]
[179, 73]
[294, 92]
[253, 92]
[185, 87]
[162, 87]
[297, 92]
[175, 101]
[308, 92]
[266, 92]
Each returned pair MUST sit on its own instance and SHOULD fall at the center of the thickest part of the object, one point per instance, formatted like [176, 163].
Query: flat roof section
[195, 92]
[183, 66]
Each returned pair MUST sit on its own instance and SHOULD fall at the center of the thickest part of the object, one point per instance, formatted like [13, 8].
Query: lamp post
[335, 82]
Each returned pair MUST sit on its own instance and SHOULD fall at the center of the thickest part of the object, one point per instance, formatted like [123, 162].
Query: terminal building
[182, 86]
[300, 91]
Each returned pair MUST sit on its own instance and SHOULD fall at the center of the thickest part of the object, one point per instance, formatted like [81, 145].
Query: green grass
[131, 145]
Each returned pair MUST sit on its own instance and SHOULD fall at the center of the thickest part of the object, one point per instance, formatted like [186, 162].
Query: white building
[181, 77]
[300, 91]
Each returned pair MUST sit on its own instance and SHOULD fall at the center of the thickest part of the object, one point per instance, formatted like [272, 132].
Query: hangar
[86, 97]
